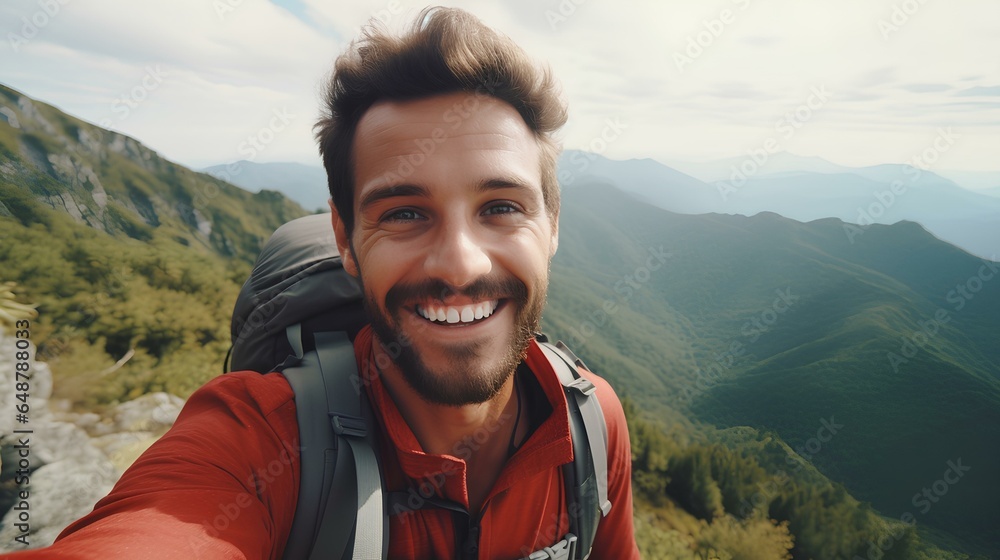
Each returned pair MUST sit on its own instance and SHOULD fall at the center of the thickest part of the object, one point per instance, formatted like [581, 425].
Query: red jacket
[223, 482]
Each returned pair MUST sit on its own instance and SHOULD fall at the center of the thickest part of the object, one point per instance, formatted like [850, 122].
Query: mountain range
[800, 188]
[787, 326]
[806, 189]
[748, 341]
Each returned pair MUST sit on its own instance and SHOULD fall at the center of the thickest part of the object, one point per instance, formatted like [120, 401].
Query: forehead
[458, 138]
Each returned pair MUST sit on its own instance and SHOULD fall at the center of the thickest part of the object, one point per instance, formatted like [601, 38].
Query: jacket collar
[549, 446]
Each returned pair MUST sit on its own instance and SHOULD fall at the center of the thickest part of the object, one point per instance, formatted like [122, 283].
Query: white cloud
[228, 72]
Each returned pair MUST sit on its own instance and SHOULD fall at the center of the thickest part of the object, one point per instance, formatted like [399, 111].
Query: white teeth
[464, 314]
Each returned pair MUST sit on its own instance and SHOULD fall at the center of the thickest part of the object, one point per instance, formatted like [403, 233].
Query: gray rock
[71, 470]
[154, 412]
[59, 494]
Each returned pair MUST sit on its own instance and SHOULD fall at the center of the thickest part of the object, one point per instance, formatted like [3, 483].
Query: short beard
[460, 386]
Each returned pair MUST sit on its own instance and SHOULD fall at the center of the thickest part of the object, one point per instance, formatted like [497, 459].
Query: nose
[458, 257]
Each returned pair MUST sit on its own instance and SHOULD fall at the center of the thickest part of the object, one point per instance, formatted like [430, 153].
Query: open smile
[457, 314]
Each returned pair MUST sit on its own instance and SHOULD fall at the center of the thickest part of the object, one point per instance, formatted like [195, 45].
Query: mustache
[436, 289]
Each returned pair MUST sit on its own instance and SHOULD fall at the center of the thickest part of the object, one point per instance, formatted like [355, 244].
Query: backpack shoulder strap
[587, 476]
[340, 512]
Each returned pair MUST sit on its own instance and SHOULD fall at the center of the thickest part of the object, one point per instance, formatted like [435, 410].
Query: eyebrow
[378, 194]
[390, 191]
[502, 183]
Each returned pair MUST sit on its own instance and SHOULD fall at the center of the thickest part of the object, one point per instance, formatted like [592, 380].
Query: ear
[343, 241]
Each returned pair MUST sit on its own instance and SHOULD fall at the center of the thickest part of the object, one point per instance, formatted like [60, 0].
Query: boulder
[154, 412]
[71, 471]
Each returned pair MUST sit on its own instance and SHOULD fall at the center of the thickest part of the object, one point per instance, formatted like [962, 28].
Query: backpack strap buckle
[344, 425]
[562, 550]
[583, 386]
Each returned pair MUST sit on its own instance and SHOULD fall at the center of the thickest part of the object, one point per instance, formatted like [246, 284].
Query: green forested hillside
[112, 183]
[784, 326]
[131, 258]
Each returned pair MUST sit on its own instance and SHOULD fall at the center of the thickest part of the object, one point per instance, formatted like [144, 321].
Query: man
[442, 174]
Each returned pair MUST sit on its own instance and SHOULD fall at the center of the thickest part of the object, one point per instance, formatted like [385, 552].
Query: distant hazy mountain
[973, 180]
[775, 164]
[305, 184]
[647, 179]
[785, 326]
[882, 194]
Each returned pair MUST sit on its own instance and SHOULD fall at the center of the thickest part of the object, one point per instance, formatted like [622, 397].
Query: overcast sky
[858, 82]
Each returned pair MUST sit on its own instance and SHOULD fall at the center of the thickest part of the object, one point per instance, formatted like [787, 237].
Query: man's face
[451, 240]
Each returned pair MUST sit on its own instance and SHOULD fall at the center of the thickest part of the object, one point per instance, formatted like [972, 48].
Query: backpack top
[297, 279]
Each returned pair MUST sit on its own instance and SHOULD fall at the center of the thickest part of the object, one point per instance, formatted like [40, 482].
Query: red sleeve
[615, 533]
[221, 484]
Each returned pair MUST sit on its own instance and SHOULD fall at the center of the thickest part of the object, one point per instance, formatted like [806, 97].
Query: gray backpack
[297, 314]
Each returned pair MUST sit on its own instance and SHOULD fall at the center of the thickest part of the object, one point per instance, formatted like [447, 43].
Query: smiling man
[442, 168]
[441, 163]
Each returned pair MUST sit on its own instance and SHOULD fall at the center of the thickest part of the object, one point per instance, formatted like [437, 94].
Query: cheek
[529, 261]
[384, 268]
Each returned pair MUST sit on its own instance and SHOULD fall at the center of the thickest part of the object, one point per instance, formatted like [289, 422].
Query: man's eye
[502, 208]
[404, 215]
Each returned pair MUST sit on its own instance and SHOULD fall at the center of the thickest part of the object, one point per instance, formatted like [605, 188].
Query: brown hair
[447, 50]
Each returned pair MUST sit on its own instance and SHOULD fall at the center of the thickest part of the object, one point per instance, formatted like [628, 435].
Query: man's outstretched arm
[221, 484]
